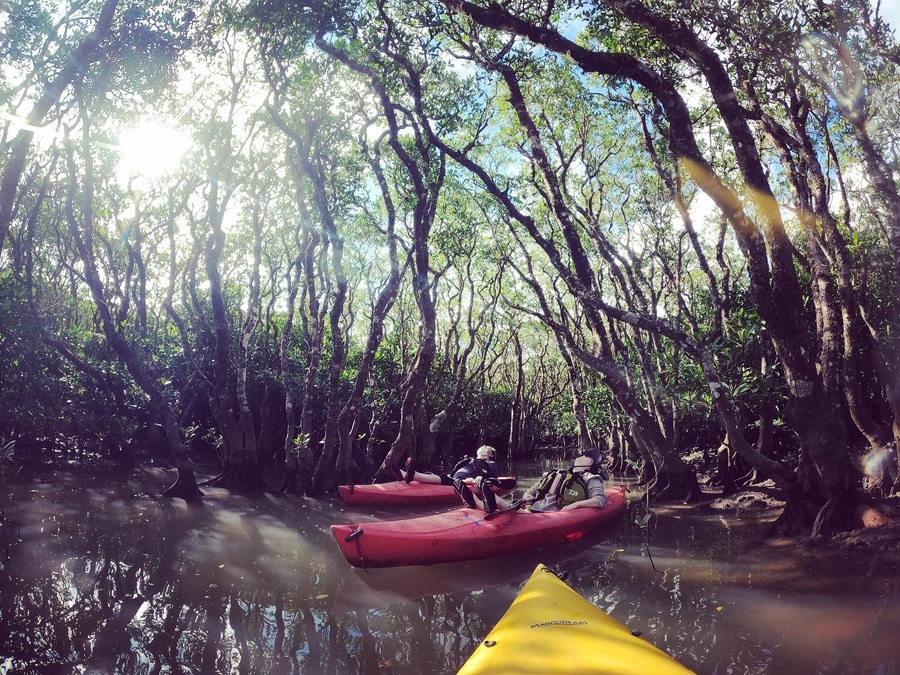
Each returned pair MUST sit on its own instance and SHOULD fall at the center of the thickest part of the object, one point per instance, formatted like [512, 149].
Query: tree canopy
[305, 241]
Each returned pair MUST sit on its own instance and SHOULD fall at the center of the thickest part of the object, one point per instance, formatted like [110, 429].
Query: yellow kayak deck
[551, 630]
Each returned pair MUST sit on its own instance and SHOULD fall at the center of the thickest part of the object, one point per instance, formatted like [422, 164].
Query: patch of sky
[572, 22]
[890, 12]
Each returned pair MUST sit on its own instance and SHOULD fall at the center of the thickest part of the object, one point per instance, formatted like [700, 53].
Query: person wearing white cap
[482, 466]
[581, 486]
[566, 489]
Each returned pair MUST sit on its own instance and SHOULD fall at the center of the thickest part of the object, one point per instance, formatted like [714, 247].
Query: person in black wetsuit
[482, 465]
[473, 478]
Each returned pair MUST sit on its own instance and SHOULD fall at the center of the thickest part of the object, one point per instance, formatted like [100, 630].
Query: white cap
[485, 452]
[583, 462]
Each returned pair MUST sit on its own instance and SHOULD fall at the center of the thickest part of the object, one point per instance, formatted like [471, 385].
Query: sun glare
[152, 150]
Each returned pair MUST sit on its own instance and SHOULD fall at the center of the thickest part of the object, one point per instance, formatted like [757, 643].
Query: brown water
[101, 577]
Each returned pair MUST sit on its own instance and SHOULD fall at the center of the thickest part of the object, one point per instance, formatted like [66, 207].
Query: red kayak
[401, 493]
[467, 534]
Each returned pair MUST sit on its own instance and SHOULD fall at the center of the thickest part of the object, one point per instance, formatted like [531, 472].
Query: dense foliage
[341, 234]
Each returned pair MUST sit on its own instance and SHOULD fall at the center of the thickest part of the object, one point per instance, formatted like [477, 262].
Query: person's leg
[488, 498]
[465, 494]
[474, 500]
[431, 478]
[501, 503]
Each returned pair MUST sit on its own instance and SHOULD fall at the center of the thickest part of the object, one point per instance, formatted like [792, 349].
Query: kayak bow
[550, 629]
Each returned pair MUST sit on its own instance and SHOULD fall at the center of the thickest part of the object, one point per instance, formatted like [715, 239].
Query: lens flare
[836, 69]
[873, 461]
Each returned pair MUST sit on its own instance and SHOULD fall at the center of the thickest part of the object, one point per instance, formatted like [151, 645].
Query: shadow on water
[99, 576]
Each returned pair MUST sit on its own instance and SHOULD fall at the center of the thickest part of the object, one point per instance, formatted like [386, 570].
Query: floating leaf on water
[322, 597]
[619, 550]
[719, 608]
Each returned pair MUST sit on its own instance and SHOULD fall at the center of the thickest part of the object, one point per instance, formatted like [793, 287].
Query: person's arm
[530, 493]
[590, 502]
[596, 498]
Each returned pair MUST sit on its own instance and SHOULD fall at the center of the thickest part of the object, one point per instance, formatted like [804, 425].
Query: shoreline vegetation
[760, 502]
[305, 243]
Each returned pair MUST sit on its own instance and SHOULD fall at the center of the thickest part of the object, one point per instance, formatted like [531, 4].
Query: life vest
[571, 487]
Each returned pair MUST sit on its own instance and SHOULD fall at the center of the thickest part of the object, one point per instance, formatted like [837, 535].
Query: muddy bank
[765, 500]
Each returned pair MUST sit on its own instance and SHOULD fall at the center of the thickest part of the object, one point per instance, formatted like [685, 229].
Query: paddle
[515, 506]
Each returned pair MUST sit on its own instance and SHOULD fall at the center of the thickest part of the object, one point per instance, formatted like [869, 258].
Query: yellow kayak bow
[551, 630]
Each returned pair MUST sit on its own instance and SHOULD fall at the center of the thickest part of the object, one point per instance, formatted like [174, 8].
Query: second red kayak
[401, 493]
[466, 534]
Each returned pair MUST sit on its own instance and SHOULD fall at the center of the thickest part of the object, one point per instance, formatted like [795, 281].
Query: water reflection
[96, 580]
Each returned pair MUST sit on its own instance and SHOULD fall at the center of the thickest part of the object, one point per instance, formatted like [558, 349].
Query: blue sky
[890, 11]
